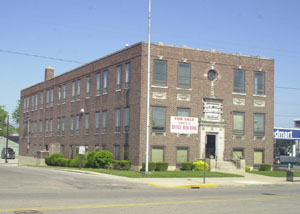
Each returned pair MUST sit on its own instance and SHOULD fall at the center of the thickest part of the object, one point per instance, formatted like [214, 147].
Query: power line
[39, 56]
[281, 115]
[289, 88]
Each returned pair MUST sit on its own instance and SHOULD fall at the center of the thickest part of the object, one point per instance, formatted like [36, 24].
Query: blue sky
[86, 30]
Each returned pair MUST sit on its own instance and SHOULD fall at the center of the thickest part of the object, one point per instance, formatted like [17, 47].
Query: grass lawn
[167, 174]
[274, 173]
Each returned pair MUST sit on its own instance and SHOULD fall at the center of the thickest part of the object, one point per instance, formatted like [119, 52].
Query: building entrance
[210, 149]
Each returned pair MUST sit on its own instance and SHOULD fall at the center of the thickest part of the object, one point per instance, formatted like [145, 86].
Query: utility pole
[7, 125]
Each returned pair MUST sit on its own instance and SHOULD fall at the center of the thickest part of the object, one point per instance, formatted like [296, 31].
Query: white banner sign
[81, 150]
[184, 125]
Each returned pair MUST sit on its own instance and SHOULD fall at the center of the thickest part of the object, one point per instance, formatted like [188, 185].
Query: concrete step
[10, 162]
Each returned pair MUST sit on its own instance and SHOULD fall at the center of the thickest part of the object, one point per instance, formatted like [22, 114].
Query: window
[104, 121]
[97, 118]
[32, 103]
[78, 88]
[34, 150]
[36, 101]
[259, 83]
[51, 97]
[117, 152]
[259, 125]
[237, 154]
[87, 123]
[258, 157]
[238, 123]
[64, 93]
[98, 83]
[63, 126]
[160, 73]
[24, 105]
[184, 75]
[35, 128]
[126, 119]
[72, 125]
[97, 148]
[47, 125]
[127, 75]
[48, 98]
[239, 81]
[42, 99]
[118, 120]
[119, 77]
[126, 152]
[51, 127]
[105, 82]
[88, 85]
[157, 154]
[41, 128]
[59, 94]
[73, 90]
[184, 112]
[27, 104]
[58, 126]
[62, 149]
[181, 155]
[77, 124]
[158, 119]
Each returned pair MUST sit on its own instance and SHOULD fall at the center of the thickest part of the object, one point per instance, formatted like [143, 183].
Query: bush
[265, 167]
[62, 162]
[151, 166]
[91, 160]
[122, 165]
[76, 162]
[161, 166]
[103, 159]
[248, 169]
[199, 166]
[187, 166]
[51, 160]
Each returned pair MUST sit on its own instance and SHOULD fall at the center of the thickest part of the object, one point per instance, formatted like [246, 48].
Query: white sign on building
[81, 150]
[184, 125]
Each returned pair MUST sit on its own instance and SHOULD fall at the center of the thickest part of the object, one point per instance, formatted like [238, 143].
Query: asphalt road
[52, 191]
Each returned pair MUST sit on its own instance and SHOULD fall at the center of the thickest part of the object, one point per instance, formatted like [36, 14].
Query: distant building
[102, 105]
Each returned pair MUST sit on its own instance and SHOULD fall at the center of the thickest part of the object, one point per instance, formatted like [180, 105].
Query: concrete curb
[183, 186]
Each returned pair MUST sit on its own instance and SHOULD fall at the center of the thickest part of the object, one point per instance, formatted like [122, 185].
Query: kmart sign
[286, 134]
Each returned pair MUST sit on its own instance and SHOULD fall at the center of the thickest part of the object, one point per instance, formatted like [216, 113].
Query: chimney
[49, 73]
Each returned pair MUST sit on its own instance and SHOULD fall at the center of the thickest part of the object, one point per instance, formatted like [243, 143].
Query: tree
[3, 116]
[16, 114]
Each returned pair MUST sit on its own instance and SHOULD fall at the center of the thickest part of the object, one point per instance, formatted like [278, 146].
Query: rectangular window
[181, 155]
[51, 128]
[88, 85]
[117, 152]
[237, 154]
[126, 152]
[184, 75]
[118, 120]
[183, 112]
[126, 119]
[259, 125]
[78, 88]
[77, 124]
[98, 83]
[63, 126]
[48, 98]
[36, 101]
[35, 128]
[104, 113]
[158, 119]
[41, 128]
[59, 95]
[97, 120]
[42, 99]
[119, 77]
[157, 154]
[72, 125]
[73, 90]
[127, 75]
[259, 83]
[51, 97]
[24, 105]
[239, 81]
[32, 103]
[62, 149]
[238, 123]
[58, 126]
[160, 73]
[258, 157]
[34, 150]
[47, 125]
[64, 93]
[87, 123]
[105, 82]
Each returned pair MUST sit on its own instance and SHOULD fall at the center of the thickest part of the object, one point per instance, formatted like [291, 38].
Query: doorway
[210, 149]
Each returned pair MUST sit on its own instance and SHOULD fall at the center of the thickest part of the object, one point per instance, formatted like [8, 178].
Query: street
[39, 190]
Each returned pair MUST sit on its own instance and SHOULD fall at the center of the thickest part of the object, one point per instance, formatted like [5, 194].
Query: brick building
[102, 105]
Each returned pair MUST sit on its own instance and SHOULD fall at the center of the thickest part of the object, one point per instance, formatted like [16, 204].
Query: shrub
[248, 169]
[103, 159]
[265, 167]
[199, 166]
[76, 162]
[91, 160]
[151, 166]
[62, 162]
[187, 166]
[51, 160]
[122, 165]
[161, 166]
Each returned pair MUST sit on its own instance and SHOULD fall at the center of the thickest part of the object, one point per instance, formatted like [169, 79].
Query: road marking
[183, 186]
[145, 204]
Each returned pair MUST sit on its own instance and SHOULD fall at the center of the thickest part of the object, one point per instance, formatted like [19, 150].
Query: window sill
[72, 101]
[98, 95]
[186, 89]
[105, 93]
[78, 100]
[159, 133]
[241, 137]
[236, 93]
[87, 98]
[117, 90]
[259, 95]
[155, 86]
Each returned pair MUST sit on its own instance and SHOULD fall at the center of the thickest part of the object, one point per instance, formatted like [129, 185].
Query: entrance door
[210, 149]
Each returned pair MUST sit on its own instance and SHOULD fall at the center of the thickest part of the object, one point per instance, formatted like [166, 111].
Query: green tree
[16, 115]
[3, 116]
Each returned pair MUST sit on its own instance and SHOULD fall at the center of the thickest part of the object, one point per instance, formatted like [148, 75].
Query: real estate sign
[184, 125]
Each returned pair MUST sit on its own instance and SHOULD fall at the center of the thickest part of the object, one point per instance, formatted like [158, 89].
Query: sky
[82, 31]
